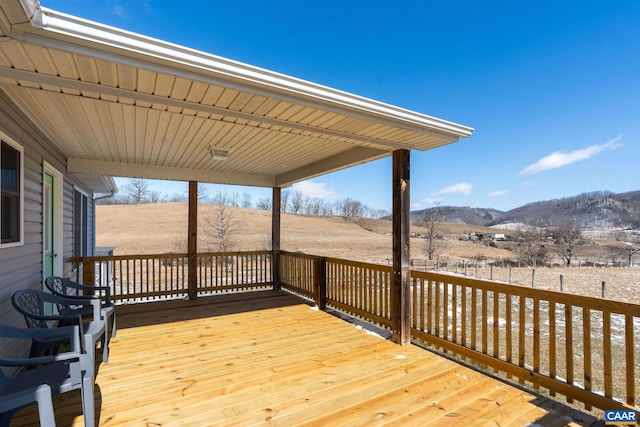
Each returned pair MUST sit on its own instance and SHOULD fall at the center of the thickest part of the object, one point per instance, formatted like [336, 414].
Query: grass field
[162, 228]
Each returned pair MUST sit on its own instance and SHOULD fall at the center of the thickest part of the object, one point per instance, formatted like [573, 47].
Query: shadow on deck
[269, 358]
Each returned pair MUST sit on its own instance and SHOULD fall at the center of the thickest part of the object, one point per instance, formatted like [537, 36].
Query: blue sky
[552, 88]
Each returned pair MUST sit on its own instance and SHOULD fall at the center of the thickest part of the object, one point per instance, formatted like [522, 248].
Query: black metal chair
[49, 375]
[69, 289]
[33, 305]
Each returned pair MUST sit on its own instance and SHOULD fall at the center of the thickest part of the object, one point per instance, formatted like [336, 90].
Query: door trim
[57, 236]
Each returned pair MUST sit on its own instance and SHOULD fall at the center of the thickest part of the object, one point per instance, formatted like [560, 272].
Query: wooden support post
[89, 273]
[401, 279]
[275, 238]
[192, 241]
[320, 279]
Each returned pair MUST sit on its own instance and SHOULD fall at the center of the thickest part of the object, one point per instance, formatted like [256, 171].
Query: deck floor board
[268, 358]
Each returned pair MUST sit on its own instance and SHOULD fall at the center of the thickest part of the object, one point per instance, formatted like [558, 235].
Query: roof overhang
[117, 103]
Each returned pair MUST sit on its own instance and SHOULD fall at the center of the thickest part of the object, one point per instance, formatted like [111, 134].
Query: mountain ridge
[589, 210]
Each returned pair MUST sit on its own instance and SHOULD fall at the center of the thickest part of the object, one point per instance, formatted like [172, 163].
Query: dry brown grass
[162, 228]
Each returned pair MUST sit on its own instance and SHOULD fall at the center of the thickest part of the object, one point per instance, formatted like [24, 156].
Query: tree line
[138, 191]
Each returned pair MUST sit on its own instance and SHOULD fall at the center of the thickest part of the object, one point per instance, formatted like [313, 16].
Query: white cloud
[498, 193]
[430, 201]
[462, 187]
[427, 202]
[119, 11]
[314, 190]
[559, 158]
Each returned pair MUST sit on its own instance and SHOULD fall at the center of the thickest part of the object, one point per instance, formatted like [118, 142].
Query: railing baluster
[536, 338]
[607, 354]
[521, 333]
[454, 313]
[430, 307]
[552, 343]
[463, 314]
[586, 343]
[445, 310]
[508, 331]
[568, 321]
[496, 326]
[630, 360]
[474, 316]
[485, 322]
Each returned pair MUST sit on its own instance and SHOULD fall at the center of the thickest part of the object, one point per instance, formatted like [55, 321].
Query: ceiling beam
[131, 170]
[351, 157]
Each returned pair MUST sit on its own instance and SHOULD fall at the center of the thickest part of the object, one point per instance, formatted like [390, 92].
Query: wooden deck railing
[580, 347]
[139, 278]
[356, 288]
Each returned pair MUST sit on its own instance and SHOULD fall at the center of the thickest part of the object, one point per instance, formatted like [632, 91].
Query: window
[80, 224]
[11, 194]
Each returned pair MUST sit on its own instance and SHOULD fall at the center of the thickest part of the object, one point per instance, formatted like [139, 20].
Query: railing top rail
[576, 300]
[378, 267]
[300, 255]
[162, 256]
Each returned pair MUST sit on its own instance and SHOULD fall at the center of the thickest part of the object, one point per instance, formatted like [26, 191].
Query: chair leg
[105, 348]
[45, 407]
[113, 326]
[88, 399]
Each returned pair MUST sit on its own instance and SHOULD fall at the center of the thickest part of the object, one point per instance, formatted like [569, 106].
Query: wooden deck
[269, 358]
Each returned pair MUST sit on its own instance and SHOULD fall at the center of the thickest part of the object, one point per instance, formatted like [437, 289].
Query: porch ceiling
[120, 104]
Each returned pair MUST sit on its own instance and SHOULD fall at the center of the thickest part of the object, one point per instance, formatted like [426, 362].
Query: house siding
[22, 266]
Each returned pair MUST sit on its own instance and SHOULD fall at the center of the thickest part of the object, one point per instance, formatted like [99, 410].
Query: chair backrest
[57, 285]
[29, 302]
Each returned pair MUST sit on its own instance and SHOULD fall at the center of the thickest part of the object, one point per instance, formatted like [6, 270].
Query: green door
[47, 225]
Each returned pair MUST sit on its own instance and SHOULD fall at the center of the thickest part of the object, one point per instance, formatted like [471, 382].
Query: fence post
[533, 278]
[320, 285]
[491, 272]
[510, 275]
[604, 289]
[561, 283]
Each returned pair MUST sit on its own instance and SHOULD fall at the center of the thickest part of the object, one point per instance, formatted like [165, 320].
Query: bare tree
[431, 220]
[203, 193]
[631, 248]
[264, 204]
[284, 201]
[315, 206]
[531, 246]
[297, 202]
[233, 199]
[221, 225]
[220, 198]
[349, 208]
[566, 237]
[155, 197]
[138, 190]
[246, 200]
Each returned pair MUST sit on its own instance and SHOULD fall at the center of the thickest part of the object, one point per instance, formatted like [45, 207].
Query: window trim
[11, 143]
